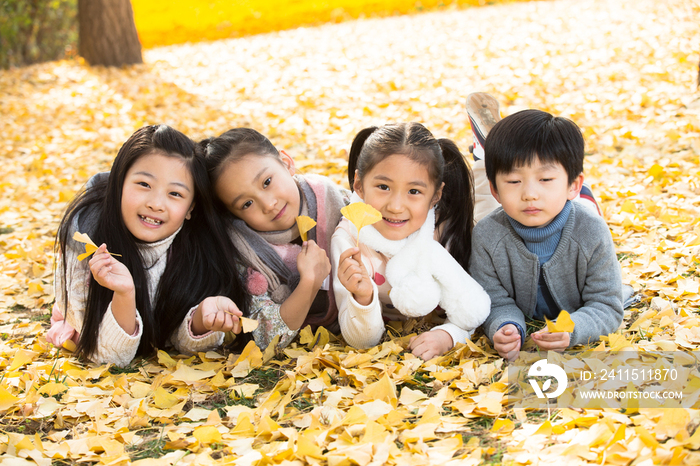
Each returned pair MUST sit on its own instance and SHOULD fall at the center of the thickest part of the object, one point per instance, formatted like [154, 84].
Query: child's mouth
[280, 213]
[150, 221]
[394, 223]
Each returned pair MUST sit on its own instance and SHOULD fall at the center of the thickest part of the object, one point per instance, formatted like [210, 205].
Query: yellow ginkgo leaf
[90, 246]
[562, 324]
[305, 224]
[361, 215]
[248, 324]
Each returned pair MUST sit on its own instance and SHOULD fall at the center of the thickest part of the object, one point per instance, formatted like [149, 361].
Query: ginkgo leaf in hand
[90, 246]
[305, 224]
[248, 324]
[361, 215]
[562, 324]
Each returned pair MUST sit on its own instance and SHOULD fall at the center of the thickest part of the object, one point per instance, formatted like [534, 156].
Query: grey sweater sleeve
[602, 309]
[483, 270]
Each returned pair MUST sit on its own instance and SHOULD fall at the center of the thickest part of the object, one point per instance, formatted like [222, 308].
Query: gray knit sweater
[583, 274]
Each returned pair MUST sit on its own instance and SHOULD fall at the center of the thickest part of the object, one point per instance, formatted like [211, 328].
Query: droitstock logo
[543, 369]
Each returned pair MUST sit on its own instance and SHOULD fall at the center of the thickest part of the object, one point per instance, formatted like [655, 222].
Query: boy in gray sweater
[540, 253]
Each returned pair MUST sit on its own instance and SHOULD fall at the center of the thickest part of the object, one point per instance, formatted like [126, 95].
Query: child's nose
[530, 192]
[269, 203]
[155, 202]
[395, 203]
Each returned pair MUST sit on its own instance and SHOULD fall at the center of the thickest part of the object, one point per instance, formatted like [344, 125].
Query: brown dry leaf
[248, 325]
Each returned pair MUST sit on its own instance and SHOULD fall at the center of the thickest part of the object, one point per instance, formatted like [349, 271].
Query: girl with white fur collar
[401, 268]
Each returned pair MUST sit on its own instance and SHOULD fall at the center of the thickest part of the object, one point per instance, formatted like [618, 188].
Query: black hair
[232, 146]
[201, 260]
[445, 163]
[518, 139]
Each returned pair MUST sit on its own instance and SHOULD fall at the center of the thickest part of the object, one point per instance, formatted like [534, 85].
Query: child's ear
[575, 187]
[189, 212]
[288, 162]
[357, 186]
[494, 192]
[437, 196]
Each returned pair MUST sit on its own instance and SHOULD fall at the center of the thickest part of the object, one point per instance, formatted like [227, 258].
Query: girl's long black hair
[445, 163]
[201, 261]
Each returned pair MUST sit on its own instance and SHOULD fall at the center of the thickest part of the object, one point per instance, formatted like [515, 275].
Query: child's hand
[353, 276]
[552, 341]
[427, 345]
[313, 264]
[110, 273]
[216, 314]
[507, 342]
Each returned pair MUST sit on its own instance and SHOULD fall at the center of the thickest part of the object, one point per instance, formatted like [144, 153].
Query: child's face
[260, 191]
[535, 194]
[157, 196]
[402, 191]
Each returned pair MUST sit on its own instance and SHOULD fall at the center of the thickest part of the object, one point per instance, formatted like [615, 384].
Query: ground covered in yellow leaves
[624, 70]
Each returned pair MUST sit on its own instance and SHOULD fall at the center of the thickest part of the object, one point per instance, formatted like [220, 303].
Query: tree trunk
[107, 33]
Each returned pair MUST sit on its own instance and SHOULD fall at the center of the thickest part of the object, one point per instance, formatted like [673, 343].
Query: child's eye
[414, 191]
[176, 194]
[547, 179]
[512, 181]
[143, 183]
[246, 205]
[383, 187]
[267, 182]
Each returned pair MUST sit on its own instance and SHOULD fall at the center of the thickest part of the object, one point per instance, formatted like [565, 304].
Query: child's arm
[362, 326]
[216, 314]
[427, 345]
[467, 301]
[602, 310]
[114, 345]
[287, 318]
[204, 325]
[507, 341]
[114, 275]
[314, 266]
[482, 268]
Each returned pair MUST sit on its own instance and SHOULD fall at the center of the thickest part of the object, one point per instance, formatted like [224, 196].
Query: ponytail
[355, 151]
[456, 207]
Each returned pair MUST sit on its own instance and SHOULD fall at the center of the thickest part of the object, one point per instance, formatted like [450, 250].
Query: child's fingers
[228, 306]
[101, 266]
[100, 254]
[501, 337]
[348, 267]
[348, 253]
[357, 256]
[549, 337]
[236, 328]
[217, 321]
[552, 345]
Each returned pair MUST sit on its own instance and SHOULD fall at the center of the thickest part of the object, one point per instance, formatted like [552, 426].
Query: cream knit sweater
[114, 345]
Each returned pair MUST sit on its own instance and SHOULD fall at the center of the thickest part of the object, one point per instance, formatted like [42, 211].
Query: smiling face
[157, 196]
[534, 194]
[401, 189]
[260, 190]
